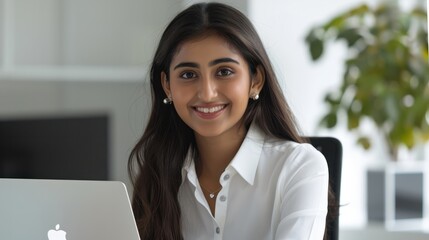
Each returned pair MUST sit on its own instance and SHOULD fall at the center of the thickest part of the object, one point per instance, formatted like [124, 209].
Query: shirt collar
[188, 165]
[247, 158]
[245, 161]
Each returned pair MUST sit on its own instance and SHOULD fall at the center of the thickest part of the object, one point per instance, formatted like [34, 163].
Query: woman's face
[210, 85]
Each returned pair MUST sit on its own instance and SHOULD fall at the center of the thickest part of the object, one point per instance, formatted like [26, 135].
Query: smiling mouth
[210, 109]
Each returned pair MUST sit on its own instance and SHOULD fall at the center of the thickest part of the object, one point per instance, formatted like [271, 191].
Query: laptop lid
[65, 210]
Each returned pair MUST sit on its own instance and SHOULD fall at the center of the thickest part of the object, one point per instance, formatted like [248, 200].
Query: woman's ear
[165, 84]
[258, 80]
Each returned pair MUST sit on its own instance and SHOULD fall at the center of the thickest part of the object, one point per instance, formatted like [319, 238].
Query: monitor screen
[66, 147]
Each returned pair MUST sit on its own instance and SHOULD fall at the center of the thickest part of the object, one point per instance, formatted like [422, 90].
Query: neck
[216, 153]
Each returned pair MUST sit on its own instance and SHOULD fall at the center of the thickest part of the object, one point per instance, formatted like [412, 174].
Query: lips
[210, 109]
[209, 112]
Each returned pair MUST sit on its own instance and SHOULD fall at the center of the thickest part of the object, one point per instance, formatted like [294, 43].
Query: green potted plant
[386, 77]
[386, 80]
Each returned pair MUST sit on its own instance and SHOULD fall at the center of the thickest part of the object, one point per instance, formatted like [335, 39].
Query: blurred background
[74, 93]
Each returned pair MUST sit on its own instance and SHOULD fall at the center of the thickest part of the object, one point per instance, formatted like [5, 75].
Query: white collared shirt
[272, 189]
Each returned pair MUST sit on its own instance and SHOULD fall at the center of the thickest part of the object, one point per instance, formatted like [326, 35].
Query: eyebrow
[223, 60]
[212, 63]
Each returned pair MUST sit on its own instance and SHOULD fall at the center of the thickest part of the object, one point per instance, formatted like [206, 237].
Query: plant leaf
[316, 48]
[353, 119]
[364, 142]
[351, 35]
[330, 120]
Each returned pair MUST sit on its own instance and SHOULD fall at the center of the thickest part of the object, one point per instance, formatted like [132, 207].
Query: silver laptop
[65, 210]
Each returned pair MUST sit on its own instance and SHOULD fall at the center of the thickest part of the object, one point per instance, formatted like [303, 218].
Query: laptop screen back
[84, 210]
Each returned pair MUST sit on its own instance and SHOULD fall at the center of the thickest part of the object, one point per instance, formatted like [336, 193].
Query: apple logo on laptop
[57, 234]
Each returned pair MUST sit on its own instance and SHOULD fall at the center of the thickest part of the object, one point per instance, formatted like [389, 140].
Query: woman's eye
[224, 72]
[188, 75]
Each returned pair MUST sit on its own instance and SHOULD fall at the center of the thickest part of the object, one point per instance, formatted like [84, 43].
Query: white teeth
[210, 110]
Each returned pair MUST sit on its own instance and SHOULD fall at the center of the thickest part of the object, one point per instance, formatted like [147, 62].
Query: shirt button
[226, 177]
[222, 198]
[217, 230]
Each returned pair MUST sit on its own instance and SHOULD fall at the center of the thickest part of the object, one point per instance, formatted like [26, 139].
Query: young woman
[221, 157]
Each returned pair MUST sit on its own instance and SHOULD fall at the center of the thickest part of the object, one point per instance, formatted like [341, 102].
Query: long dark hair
[156, 161]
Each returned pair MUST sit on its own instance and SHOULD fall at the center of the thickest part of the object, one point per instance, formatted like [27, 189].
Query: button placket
[222, 203]
[226, 177]
[225, 183]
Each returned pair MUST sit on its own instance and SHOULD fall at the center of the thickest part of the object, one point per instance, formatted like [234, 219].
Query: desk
[378, 232]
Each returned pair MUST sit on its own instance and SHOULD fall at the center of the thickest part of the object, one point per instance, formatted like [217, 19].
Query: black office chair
[332, 149]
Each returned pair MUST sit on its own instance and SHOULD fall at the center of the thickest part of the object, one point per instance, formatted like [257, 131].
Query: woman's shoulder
[283, 145]
[294, 155]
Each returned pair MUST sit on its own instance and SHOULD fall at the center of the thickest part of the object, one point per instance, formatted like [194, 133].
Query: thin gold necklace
[212, 194]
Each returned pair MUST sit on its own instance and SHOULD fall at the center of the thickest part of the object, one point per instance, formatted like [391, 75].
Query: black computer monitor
[62, 147]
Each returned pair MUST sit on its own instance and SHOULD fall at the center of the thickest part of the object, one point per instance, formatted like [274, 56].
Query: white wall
[2, 17]
[113, 33]
[35, 31]
[80, 32]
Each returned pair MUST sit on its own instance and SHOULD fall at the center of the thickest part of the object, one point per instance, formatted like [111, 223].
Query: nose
[207, 89]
